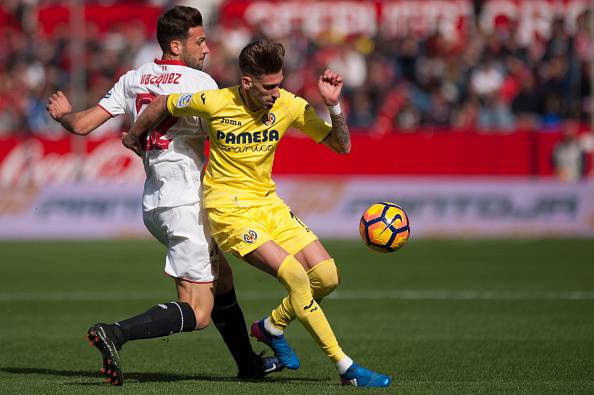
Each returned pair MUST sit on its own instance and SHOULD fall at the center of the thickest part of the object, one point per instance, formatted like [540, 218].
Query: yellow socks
[305, 308]
[282, 315]
[323, 279]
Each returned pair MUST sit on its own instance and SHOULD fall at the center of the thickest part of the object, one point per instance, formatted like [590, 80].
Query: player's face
[264, 90]
[194, 48]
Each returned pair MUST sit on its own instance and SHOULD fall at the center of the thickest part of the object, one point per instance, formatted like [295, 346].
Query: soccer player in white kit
[173, 157]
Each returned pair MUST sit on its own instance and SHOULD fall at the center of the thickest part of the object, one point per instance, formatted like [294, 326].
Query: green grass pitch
[441, 317]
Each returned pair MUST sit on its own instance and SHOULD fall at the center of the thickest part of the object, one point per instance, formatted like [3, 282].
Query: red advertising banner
[534, 18]
[53, 18]
[35, 161]
[452, 18]
[81, 188]
[280, 18]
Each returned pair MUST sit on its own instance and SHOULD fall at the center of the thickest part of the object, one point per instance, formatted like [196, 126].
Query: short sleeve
[202, 83]
[307, 120]
[184, 104]
[210, 84]
[114, 101]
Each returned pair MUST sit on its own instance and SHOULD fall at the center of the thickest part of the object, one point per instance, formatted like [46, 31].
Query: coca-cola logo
[29, 163]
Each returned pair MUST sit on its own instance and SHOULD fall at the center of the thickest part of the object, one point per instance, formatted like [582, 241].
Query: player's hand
[131, 142]
[58, 105]
[330, 85]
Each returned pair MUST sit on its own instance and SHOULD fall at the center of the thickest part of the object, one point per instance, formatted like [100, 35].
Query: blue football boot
[259, 367]
[278, 344]
[358, 376]
[270, 365]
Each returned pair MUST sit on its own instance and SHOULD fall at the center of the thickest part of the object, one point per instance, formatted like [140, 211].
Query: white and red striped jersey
[173, 152]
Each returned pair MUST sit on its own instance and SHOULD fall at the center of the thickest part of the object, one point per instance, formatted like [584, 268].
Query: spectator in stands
[351, 64]
[408, 118]
[569, 156]
[439, 113]
[552, 118]
[487, 79]
[525, 105]
[466, 118]
[475, 83]
[360, 111]
[495, 115]
[560, 43]
[556, 78]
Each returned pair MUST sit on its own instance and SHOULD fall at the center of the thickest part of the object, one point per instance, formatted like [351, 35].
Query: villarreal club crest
[269, 119]
[384, 227]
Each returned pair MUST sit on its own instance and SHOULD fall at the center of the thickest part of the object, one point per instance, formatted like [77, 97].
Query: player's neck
[246, 100]
[168, 56]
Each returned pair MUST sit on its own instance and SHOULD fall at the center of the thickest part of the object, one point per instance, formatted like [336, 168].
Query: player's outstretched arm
[81, 122]
[151, 115]
[330, 85]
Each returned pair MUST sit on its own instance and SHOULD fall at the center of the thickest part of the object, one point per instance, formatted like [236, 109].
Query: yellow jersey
[243, 142]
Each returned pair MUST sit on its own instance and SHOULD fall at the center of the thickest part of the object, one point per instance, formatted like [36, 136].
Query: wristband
[335, 109]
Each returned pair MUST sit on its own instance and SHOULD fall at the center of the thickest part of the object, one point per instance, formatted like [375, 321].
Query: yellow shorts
[241, 230]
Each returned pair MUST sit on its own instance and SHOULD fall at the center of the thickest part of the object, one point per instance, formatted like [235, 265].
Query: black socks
[228, 318]
[174, 317]
[160, 320]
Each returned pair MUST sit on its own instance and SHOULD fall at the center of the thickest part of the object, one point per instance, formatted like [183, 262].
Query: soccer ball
[384, 227]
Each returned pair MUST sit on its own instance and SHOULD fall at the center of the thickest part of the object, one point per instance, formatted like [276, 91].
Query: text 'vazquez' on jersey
[173, 153]
[243, 142]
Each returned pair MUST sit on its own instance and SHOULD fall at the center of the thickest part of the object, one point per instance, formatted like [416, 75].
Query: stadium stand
[484, 79]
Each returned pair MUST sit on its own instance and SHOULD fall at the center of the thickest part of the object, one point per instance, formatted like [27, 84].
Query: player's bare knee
[202, 318]
[202, 310]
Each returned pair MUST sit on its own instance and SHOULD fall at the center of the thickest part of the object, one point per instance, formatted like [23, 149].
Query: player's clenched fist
[330, 85]
[58, 105]
[131, 142]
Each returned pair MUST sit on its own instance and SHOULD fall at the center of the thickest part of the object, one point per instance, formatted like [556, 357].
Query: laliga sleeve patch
[184, 100]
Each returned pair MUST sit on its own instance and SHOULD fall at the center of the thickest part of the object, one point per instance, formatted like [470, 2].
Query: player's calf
[161, 320]
[200, 297]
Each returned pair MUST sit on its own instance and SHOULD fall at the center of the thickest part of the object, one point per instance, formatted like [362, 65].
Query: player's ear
[176, 47]
[246, 82]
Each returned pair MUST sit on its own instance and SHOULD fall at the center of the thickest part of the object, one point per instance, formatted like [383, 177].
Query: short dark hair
[174, 24]
[262, 57]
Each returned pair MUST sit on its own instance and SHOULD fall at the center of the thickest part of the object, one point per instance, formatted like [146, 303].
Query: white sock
[271, 329]
[344, 364]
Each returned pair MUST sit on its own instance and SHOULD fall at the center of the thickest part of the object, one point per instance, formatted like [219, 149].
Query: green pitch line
[441, 317]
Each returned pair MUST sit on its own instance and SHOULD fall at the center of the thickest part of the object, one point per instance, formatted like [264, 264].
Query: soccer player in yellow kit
[246, 215]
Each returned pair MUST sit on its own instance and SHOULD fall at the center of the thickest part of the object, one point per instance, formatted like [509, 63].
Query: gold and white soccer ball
[384, 227]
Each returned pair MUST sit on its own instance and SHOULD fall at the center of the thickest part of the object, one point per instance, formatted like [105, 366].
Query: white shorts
[191, 253]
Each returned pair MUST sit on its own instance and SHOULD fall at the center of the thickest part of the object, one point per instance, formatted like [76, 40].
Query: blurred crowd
[489, 81]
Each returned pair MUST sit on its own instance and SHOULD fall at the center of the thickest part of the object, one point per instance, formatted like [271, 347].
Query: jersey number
[296, 218]
[155, 140]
